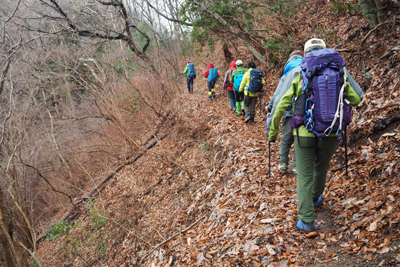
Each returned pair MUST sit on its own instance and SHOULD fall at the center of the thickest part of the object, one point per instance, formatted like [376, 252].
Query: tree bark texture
[369, 8]
[6, 239]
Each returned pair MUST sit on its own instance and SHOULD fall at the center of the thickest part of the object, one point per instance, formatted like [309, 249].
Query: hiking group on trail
[243, 86]
[314, 98]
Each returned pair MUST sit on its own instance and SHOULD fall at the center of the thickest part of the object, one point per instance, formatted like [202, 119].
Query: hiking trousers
[189, 82]
[231, 96]
[313, 159]
[287, 140]
[250, 106]
[210, 86]
[239, 97]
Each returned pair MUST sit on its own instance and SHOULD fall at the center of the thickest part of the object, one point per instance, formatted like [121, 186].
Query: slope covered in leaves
[203, 195]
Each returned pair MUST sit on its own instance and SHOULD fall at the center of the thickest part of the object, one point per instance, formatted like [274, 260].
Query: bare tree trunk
[369, 7]
[6, 239]
[3, 74]
[379, 13]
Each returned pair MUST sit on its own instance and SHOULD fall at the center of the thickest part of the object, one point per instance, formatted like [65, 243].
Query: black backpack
[255, 84]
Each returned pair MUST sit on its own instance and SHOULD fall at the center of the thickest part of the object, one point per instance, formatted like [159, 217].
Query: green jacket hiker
[313, 153]
[190, 74]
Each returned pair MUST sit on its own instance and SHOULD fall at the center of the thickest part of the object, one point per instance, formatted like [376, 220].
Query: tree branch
[52, 187]
[13, 13]
[167, 18]
[374, 29]
[232, 29]
[128, 38]
[112, 3]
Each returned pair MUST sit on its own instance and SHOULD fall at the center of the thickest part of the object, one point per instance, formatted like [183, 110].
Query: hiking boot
[247, 119]
[317, 202]
[210, 97]
[282, 168]
[308, 229]
[213, 94]
[295, 171]
[252, 120]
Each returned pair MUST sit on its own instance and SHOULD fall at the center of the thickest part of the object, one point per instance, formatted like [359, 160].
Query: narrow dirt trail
[256, 214]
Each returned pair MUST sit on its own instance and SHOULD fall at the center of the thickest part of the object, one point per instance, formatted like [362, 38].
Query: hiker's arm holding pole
[352, 95]
[276, 93]
[354, 84]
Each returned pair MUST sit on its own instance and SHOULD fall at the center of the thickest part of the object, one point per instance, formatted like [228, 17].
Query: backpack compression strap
[339, 111]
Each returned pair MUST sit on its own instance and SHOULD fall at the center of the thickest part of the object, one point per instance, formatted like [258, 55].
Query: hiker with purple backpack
[324, 92]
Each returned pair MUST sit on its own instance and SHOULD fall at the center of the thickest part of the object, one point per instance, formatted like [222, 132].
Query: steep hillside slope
[205, 195]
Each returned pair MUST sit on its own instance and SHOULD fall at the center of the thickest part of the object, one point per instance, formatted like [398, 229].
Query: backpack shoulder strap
[341, 76]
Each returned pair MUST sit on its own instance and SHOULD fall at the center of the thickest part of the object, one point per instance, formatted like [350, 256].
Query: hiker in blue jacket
[313, 153]
[287, 140]
[190, 75]
[212, 75]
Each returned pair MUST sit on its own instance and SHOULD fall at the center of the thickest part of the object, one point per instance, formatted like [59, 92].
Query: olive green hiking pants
[250, 106]
[287, 140]
[313, 159]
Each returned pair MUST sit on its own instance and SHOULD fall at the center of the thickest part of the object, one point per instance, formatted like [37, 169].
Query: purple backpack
[322, 108]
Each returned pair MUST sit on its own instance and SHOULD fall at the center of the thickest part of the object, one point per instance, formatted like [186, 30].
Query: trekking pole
[345, 151]
[269, 159]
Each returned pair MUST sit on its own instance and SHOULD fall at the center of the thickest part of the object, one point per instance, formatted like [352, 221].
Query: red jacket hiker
[227, 84]
[211, 79]
[207, 73]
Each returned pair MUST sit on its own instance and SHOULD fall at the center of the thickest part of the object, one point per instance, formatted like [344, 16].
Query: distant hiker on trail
[252, 84]
[320, 88]
[228, 85]
[287, 139]
[190, 74]
[212, 75]
[236, 79]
